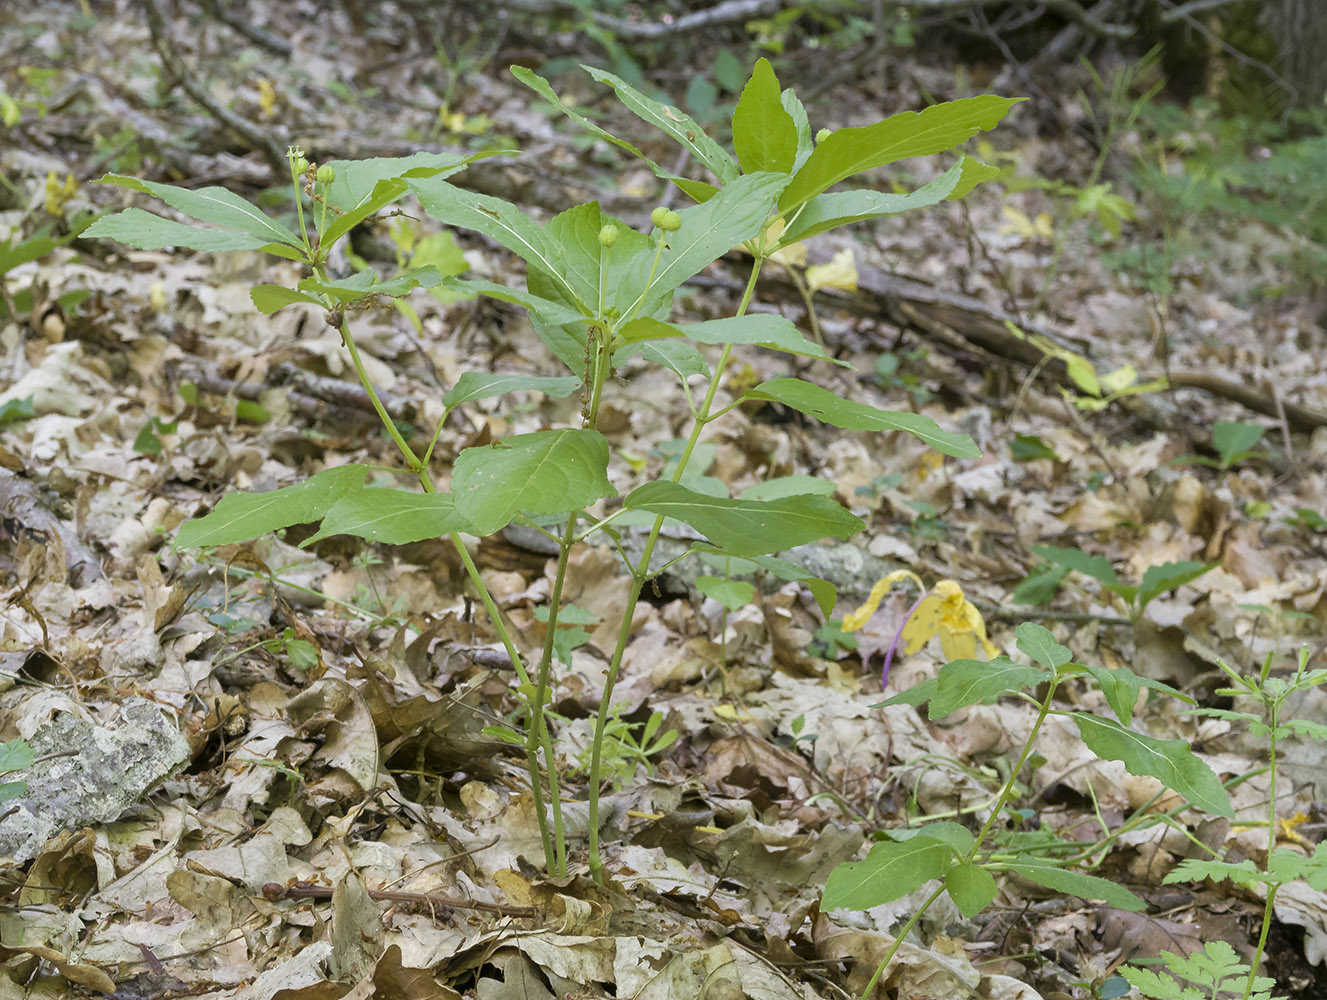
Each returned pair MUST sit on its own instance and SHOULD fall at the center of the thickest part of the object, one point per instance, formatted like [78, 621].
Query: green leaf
[738, 212]
[842, 208]
[1121, 686]
[787, 486]
[748, 527]
[269, 298]
[499, 220]
[137, 228]
[958, 837]
[732, 594]
[541, 86]
[15, 755]
[1037, 641]
[14, 410]
[584, 262]
[682, 127]
[811, 399]
[1077, 884]
[853, 150]
[12, 790]
[971, 887]
[681, 357]
[484, 385]
[822, 590]
[548, 472]
[1039, 586]
[365, 282]
[242, 516]
[1028, 447]
[767, 330]
[805, 143]
[209, 204]
[961, 683]
[1232, 439]
[1216, 970]
[1097, 567]
[764, 134]
[1171, 762]
[1196, 869]
[395, 517]
[889, 871]
[362, 187]
[1157, 580]
[915, 695]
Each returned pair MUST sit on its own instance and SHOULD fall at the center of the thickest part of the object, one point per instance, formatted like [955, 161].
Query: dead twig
[305, 890]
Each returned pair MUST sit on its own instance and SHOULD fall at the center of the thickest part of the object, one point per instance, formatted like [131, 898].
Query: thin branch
[1067, 9]
[727, 12]
[259, 36]
[243, 128]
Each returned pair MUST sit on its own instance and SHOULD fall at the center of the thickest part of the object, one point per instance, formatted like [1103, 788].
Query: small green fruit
[301, 164]
[658, 215]
[608, 235]
[670, 223]
[326, 174]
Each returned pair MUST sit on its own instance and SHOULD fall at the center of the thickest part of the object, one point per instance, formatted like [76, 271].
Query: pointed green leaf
[764, 134]
[1233, 438]
[145, 231]
[797, 110]
[240, 517]
[1097, 567]
[269, 298]
[1171, 762]
[484, 385]
[842, 208]
[738, 212]
[1158, 580]
[584, 262]
[1121, 685]
[395, 517]
[732, 594]
[1077, 884]
[889, 871]
[1037, 641]
[748, 527]
[785, 569]
[788, 486]
[776, 333]
[497, 219]
[814, 401]
[548, 472]
[916, 695]
[682, 127]
[967, 682]
[971, 887]
[853, 150]
[362, 187]
[958, 837]
[215, 205]
[681, 357]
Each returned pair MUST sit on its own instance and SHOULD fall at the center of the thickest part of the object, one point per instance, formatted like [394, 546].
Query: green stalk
[898, 941]
[426, 481]
[638, 577]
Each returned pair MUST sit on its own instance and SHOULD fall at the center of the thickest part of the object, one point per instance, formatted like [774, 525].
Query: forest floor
[333, 698]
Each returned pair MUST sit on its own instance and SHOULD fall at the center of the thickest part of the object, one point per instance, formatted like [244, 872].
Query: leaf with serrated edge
[967, 682]
[1171, 762]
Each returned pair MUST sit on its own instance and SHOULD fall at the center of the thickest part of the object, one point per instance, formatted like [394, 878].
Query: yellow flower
[944, 612]
[58, 194]
[266, 97]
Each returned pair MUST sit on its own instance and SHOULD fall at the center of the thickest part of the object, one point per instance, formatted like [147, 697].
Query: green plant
[597, 291]
[966, 865]
[1039, 586]
[622, 749]
[1233, 441]
[1216, 968]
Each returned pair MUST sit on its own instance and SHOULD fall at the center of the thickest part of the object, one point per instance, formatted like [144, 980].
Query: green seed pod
[608, 236]
[300, 165]
[670, 223]
[326, 174]
[658, 215]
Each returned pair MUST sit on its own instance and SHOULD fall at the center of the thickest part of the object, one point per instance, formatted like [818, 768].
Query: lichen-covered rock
[111, 768]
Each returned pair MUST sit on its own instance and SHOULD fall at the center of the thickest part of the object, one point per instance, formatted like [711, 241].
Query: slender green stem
[898, 941]
[638, 578]
[1273, 706]
[1014, 772]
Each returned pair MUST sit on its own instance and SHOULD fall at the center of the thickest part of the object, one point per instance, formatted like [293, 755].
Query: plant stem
[540, 732]
[638, 578]
[898, 941]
